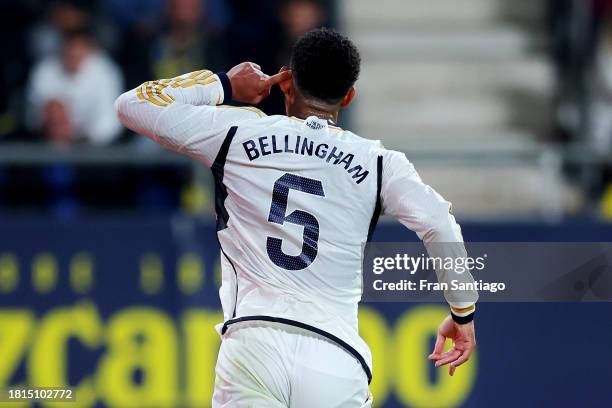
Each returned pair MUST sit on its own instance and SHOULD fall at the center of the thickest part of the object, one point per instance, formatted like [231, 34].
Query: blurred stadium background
[108, 258]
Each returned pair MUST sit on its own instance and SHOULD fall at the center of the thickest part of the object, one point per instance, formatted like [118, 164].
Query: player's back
[296, 200]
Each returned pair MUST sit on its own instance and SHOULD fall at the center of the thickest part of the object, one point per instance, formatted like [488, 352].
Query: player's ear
[348, 98]
[287, 85]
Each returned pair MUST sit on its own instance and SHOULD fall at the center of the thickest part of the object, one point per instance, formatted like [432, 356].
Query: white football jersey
[295, 200]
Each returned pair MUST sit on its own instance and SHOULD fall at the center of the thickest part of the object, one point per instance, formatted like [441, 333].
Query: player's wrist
[463, 315]
[227, 86]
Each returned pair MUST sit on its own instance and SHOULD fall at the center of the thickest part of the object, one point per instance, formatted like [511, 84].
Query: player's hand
[464, 342]
[250, 84]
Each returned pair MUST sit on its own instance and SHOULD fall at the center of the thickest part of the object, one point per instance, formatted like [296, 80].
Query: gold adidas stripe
[151, 97]
[463, 310]
[153, 91]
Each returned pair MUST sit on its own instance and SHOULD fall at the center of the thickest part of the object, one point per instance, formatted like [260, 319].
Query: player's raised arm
[183, 113]
[421, 209]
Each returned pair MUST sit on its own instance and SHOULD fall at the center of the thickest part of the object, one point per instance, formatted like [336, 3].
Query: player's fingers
[262, 85]
[462, 358]
[276, 78]
[438, 347]
[446, 354]
[440, 356]
[447, 359]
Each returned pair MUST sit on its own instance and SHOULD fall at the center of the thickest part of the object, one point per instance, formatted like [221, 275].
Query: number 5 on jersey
[278, 210]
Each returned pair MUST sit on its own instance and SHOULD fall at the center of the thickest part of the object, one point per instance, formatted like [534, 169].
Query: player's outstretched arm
[183, 113]
[424, 211]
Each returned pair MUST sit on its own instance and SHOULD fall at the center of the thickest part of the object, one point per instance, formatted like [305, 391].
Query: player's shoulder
[392, 160]
[395, 162]
[335, 134]
[256, 119]
[371, 145]
[238, 116]
[242, 112]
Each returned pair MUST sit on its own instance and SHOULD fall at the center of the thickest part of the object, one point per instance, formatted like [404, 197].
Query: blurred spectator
[255, 33]
[187, 43]
[298, 17]
[139, 23]
[15, 18]
[577, 28]
[70, 91]
[602, 93]
[71, 96]
[601, 77]
[63, 16]
[57, 127]
[135, 12]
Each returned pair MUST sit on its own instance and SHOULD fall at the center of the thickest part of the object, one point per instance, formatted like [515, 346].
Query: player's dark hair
[325, 65]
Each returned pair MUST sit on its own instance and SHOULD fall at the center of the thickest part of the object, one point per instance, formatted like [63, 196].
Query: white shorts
[265, 365]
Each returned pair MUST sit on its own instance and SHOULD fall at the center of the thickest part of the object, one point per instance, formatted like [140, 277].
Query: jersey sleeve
[421, 209]
[184, 113]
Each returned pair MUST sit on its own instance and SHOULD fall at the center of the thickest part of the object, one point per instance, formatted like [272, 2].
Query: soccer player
[296, 196]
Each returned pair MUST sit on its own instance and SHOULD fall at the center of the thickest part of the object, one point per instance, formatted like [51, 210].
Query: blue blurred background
[108, 257]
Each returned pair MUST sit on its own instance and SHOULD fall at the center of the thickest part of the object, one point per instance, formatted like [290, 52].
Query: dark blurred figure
[139, 22]
[186, 44]
[255, 33]
[577, 27]
[297, 18]
[80, 83]
[15, 18]
[582, 46]
[601, 86]
[162, 36]
[63, 16]
[265, 32]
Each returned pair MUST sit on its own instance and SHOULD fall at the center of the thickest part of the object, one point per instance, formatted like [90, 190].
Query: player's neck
[303, 109]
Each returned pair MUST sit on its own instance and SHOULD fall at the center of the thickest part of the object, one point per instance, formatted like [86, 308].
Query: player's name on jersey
[267, 145]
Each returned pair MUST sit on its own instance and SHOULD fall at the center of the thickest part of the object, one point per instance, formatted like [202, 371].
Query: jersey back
[295, 201]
